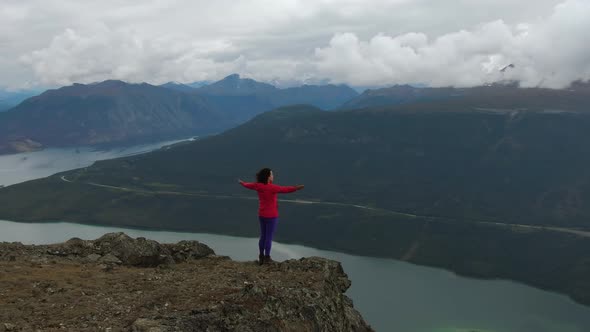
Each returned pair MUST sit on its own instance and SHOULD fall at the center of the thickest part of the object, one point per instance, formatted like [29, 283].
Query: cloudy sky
[358, 42]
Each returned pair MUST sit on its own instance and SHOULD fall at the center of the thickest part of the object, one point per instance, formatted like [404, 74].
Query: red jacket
[267, 196]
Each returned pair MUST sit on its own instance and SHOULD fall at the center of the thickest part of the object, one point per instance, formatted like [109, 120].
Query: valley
[452, 185]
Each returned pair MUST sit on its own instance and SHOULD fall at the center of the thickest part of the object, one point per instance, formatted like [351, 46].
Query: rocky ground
[117, 283]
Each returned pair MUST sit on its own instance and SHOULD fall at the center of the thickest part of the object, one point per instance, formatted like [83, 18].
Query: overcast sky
[358, 42]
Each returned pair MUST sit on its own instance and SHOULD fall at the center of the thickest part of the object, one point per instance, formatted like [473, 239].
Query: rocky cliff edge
[117, 283]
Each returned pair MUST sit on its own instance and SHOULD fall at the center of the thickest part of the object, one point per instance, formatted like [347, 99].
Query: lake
[391, 295]
[16, 168]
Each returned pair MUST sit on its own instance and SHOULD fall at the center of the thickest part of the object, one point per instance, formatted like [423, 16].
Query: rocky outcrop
[275, 306]
[115, 248]
[117, 283]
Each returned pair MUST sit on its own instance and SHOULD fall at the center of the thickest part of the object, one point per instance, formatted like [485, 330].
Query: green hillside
[421, 183]
[510, 166]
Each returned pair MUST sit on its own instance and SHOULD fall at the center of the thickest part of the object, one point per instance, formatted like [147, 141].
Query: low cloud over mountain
[364, 43]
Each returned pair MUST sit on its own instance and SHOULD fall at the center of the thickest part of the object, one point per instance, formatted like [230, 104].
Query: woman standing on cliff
[268, 212]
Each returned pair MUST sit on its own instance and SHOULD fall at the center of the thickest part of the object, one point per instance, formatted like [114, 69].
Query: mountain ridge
[116, 112]
[512, 93]
[107, 112]
[235, 85]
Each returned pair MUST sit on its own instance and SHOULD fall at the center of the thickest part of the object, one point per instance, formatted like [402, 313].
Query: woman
[268, 212]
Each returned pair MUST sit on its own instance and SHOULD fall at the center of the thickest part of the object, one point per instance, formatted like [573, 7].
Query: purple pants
[267, 229]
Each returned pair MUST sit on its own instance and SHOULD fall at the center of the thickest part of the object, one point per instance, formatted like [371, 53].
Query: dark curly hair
[263, 175]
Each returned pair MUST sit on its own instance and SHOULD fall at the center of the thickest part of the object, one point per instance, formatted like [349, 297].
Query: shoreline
[311, 246]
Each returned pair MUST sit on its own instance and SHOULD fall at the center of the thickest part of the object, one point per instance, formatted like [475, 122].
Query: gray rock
[110, 259]
[76, 245]
[106, 267]
[129, 251]
[147, 325]
[9, 327]
[185, 250]
[144, 252]
[137, 252]
[93, 258]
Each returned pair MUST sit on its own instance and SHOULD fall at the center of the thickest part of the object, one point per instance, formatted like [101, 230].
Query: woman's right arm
[249, 185]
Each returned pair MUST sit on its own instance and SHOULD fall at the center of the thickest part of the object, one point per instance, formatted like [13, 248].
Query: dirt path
[300, 201]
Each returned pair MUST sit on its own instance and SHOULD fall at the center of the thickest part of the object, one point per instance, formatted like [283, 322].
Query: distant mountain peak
[177, 86]
[236, 85]
[238, 82]
[104, 83]
[108, 87]
[232, 77]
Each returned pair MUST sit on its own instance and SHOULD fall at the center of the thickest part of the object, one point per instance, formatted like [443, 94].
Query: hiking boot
[260, 259]
[268, 260]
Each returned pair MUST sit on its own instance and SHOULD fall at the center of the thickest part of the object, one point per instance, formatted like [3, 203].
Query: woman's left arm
[287, 189]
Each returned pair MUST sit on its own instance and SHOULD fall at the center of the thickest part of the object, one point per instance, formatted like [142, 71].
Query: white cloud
[103, 54]
[549, 52]
[369, 42]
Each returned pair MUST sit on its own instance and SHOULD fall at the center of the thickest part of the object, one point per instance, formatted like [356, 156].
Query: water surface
[16, 168]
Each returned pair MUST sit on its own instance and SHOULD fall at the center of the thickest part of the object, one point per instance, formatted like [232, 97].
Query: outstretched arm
[249, 185]
[287, 189]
